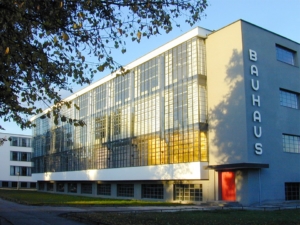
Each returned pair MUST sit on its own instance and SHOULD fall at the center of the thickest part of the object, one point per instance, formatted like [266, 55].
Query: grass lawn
[215, 217]
[42, 198]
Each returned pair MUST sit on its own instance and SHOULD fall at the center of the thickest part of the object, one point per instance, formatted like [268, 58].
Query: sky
[278, 16]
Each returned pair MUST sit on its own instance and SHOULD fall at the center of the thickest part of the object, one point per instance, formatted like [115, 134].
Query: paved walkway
[17, 214]
[12, 213]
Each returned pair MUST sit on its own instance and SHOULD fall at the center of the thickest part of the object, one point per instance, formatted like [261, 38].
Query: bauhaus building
[211, 115]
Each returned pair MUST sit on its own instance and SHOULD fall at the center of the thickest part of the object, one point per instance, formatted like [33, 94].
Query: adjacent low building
[211, 115]
[15, 161]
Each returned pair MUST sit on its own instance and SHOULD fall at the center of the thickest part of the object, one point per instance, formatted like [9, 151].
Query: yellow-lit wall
[226, 96]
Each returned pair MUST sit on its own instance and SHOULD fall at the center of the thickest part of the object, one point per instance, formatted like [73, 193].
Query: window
[14, 141]
[50, 186]
[86, 188]
[20, 141]
[60, 187]
[41, 186]
[72, 187]
[291, 143]
[20, 156]
[285, 55]
[292, 191]
[100, 127]
[188, 192]
[103, 189]
[4, 184]
[32, 185]
[125, 190]
[117, 122]
[153, 191]
[24, 156]
[14, 156]
[289, 99]
[20, 171]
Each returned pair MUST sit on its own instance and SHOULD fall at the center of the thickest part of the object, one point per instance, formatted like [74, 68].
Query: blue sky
[278, 16]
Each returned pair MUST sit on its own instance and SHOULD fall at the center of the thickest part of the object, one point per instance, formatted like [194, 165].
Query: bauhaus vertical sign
[256, 103]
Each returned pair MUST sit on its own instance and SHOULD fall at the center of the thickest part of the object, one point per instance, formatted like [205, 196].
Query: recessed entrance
[227, 184]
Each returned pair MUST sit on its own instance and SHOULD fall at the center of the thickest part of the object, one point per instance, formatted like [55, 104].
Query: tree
[44, 45]
[3, 139]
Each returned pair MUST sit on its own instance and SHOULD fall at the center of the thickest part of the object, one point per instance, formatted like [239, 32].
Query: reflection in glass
[150, 116]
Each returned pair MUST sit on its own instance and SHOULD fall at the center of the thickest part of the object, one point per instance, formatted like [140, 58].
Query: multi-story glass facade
[156, 114]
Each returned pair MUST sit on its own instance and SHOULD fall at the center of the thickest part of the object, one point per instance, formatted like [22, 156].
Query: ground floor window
[4, 184]
[153, 191]
[32, 185]
[50, 186]
[103, 189]
[60, 187]
[41, 186]
[23, 184]
[125, 190]
[86, 188]
[14, 184]
[72, 187]
[292, 191]
[188, 192]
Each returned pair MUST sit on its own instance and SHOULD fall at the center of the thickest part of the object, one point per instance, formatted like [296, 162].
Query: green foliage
[2, 140]
[214, 217]
[44, 45]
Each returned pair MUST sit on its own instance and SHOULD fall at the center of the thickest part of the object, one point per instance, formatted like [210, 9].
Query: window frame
[293, 146]
[152, 191]
[286, 103]
[125, 190]
[282, 55]
[104, 189]
[292, 191]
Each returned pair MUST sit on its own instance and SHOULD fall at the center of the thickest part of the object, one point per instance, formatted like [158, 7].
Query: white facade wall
[6, 162]
[181, 171]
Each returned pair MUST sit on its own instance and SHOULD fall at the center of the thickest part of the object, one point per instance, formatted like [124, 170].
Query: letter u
[255, 87]
[257, 133]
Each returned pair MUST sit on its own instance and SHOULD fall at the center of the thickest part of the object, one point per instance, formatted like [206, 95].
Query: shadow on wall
[227, 119]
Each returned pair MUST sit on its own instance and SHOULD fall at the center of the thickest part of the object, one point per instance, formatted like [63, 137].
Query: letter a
[256, 116]
[254, 70]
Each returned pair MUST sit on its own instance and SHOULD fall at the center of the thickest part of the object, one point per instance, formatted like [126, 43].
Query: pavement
[18, 214]
[12, 213]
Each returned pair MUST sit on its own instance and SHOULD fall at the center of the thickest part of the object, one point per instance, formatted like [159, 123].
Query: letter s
[258, 149]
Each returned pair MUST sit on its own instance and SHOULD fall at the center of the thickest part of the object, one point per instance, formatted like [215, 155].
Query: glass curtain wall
[156, 114]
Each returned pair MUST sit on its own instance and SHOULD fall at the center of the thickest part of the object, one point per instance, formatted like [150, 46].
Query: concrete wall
[233, 102]
[226, 96]
[226, 101]
[275, 119]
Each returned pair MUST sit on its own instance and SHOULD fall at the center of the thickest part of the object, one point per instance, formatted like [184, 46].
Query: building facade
[15, 161]
[208, 116]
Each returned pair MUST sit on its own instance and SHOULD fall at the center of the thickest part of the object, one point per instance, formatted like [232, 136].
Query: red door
[228, 185]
